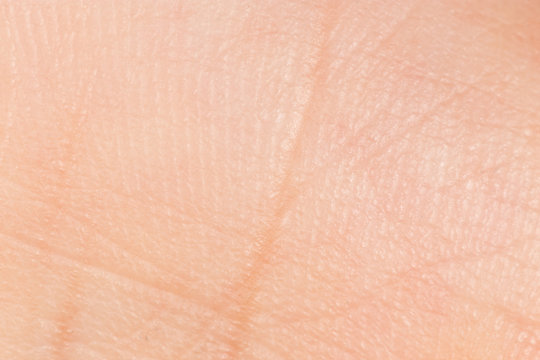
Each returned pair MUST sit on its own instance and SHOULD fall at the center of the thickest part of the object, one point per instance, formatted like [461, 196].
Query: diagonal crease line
[239, 309]
[379, 150]
[100, 270]
[247, 286]
[386, 39]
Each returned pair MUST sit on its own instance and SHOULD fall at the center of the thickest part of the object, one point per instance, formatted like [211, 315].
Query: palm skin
[269, 180]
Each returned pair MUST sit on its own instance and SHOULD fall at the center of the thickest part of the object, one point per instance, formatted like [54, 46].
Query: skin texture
[269, 179]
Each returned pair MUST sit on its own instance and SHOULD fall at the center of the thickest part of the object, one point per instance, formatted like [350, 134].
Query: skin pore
[269, 179]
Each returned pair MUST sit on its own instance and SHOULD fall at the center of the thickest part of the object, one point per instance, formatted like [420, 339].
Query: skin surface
[269, 179]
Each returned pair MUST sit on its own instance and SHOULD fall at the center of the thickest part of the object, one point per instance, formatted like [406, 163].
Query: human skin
[269, 179]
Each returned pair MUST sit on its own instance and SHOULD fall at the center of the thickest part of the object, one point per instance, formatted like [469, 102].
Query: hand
[269, 180]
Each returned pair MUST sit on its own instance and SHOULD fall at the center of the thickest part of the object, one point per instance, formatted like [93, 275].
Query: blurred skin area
[269, 179]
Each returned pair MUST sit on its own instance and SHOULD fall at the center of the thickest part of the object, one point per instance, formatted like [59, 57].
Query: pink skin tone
[269, 179]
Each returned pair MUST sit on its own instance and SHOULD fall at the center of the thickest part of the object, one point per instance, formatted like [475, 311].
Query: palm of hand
[269, 181]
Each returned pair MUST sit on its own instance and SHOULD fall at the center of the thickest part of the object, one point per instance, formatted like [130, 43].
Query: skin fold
[269, 179]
